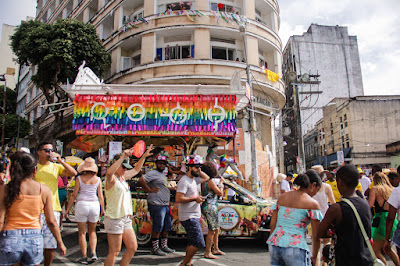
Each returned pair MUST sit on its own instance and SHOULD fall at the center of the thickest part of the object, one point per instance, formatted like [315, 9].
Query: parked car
[243, 215]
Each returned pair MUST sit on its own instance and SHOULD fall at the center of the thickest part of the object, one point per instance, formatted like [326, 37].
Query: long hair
[22, 167]
[382, 184]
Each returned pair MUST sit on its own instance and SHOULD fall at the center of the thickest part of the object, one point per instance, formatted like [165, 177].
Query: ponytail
[22, 167]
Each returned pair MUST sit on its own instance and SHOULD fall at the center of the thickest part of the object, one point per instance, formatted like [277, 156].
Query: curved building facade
[191, 42]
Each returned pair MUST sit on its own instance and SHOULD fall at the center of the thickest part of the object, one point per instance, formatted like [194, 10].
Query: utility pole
[252, 121]
[300, 145]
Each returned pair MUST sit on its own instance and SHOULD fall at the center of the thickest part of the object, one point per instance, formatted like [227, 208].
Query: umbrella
[73, 160]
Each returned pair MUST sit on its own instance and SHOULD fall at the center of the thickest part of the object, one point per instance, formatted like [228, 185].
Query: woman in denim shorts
[292, 213]
[22, 201]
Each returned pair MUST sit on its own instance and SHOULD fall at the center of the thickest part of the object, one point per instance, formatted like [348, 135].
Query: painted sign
[228, 218]
[155, 115]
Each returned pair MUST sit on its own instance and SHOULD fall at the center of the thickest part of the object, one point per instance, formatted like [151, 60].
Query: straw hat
[280, 177]
[88, 165]
[319, 169]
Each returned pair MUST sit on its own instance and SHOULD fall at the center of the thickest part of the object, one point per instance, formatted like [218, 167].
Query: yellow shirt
[336, 192]
[119, 200]
[48, 175]
[372, 184]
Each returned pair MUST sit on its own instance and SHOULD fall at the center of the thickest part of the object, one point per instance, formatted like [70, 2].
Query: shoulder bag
[377, 262]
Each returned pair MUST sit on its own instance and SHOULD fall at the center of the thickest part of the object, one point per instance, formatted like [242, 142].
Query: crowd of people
[346, 209]
[32, 197]
[354, 215]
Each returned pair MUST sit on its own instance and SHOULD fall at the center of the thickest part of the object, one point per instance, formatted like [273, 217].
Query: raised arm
[204, 177]
[138, 167]
[217, 189]
[114, 167]
[68, 169]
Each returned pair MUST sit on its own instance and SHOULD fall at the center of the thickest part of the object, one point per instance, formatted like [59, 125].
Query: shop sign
[155, 115]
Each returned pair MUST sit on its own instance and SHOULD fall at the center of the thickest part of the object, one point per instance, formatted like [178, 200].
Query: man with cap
[189, 199]
[285, 184]
[156, 184]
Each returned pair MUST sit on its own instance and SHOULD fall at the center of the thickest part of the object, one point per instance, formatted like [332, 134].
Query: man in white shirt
[189, 199]
[394, 208]
[285, 185]
[364, 180]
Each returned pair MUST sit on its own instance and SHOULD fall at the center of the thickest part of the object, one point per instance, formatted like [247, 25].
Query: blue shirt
[291, 226]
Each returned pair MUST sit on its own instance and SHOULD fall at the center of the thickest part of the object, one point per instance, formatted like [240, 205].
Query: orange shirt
[24, 213]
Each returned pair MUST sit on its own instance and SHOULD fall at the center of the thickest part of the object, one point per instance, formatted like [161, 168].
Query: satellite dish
[292, 76]
[305, 78]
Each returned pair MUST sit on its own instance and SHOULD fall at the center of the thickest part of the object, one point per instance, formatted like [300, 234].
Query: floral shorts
[211, 215]
[194, 233]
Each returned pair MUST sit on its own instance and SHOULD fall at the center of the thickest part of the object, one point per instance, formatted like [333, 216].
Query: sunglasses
[47, 150]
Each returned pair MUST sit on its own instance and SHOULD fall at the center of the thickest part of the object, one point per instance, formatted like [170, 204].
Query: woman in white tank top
[89, 206]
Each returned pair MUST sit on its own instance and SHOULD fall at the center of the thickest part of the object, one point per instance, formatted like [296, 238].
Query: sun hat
[319, 169]
[280, 177]
[194, 160]
[88, 165]
[24, 149]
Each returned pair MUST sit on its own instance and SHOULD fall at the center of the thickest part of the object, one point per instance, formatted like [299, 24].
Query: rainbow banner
[155, 115]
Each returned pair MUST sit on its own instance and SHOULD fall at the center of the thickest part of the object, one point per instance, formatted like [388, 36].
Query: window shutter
[159, 53]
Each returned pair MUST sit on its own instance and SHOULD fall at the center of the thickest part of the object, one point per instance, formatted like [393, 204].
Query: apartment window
[345, 120]
[224, 6]
[343, 142]
[129, 62]
[175, 52]
[174, 6]
[223, 53]
[259, 17]
[331, 128]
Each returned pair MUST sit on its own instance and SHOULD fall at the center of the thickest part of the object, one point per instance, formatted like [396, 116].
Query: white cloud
[375, 23]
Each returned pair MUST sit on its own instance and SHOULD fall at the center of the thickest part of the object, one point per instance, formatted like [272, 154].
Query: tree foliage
[11, 100]
[11, 129]
[57, 51]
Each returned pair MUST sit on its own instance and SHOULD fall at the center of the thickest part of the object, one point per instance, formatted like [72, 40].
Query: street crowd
[353, 215]
[31, 212]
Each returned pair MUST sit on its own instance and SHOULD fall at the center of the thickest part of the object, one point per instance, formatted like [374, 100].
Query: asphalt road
[238, 251]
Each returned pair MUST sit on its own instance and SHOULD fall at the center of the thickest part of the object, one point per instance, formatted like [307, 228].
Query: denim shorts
[289, 256]
[161, 218]
[21, 245]
[194, 233]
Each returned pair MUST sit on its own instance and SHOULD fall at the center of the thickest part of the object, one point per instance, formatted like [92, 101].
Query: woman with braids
[378, 196]
[292, 213]
[21, 202]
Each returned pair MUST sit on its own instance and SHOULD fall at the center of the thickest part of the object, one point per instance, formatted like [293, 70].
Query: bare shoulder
[45, 189]
[313, 204]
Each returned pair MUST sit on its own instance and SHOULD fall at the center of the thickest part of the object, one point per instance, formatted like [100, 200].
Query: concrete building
[188, 42]
[318, 66]
[7, 56]
[361, 127]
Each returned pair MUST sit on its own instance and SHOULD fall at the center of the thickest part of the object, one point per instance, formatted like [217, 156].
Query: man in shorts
[155, 182]
[48, 173]
[189, 199]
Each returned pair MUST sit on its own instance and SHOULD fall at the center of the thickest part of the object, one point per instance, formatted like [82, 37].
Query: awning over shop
[327, 160]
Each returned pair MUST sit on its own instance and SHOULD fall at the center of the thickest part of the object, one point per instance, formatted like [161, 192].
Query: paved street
[238, 251]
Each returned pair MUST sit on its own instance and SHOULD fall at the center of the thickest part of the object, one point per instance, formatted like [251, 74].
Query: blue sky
[375, 23]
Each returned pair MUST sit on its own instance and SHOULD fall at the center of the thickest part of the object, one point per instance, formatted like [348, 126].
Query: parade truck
[113, 117]
[242, 215]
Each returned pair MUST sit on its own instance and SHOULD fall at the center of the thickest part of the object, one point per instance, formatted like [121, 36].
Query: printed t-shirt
[159, 180]
[48, 174]
[189, 210]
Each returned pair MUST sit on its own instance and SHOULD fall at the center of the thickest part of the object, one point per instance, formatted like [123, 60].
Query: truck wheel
[143, 240]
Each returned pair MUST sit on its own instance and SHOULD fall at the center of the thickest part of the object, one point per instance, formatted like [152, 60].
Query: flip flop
[211, 256]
